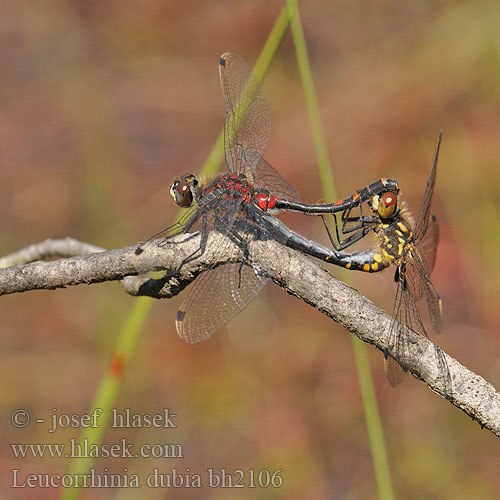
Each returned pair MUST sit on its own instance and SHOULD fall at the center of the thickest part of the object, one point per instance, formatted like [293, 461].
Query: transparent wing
[189, 221]
[414, 277]
[420, 284]
[393, 371]
[215, 298]
[425, 207]
[433, 305]
[247, 123]
[267, 177]
[428, 244]
[405, 318]
[443, 369]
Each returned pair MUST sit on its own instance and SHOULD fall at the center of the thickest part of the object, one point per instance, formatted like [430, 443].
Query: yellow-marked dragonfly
[412, 249]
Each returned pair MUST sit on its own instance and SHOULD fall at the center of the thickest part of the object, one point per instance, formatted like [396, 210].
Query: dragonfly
[412, 249]
[239, 203]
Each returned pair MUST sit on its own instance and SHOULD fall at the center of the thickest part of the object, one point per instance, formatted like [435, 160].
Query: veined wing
[413, 277]
[247, 122]
[405, 318]
[187, 222]
[431, 296]
[215, 298]
[428, 244]
[425, 207]
[267, 177]
[419, 284]
[221, 293]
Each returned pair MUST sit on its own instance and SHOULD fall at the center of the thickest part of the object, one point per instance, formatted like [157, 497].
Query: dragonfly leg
[363, 226]
[361, 230]
[203, 242]
[362, 220]
[242, 243]
[361, 233]
[341, 244]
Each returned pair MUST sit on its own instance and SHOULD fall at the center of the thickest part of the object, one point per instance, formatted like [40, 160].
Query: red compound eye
[387, 204]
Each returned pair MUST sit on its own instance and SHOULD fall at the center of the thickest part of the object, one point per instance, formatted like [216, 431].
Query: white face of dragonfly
[184, 191]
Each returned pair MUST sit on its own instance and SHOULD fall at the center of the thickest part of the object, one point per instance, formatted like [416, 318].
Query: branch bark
[292, 271]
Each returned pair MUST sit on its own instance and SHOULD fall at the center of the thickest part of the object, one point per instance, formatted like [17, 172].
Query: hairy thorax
[394, 239]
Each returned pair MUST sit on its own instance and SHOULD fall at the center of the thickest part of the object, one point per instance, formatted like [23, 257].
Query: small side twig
[67, 247]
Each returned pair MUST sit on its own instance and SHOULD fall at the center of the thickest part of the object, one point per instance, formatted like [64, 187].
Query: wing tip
[179, 317]
[224, 58]
[394, 372]
[186, 331]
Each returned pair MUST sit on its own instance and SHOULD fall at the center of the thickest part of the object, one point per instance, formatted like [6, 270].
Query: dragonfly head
[385, 205]
[184, 191]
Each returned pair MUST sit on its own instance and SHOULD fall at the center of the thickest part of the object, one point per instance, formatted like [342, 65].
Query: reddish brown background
[103, 103]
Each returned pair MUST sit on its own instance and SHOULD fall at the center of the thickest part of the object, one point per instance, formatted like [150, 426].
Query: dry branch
[294, 272]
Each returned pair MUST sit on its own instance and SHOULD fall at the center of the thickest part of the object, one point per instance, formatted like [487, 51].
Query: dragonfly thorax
[395, 238]
[231, 187]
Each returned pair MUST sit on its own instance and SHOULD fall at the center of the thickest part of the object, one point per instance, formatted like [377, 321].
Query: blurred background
[103, 103]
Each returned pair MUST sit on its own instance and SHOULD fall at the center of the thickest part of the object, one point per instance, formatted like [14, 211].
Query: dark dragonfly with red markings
[236, 205]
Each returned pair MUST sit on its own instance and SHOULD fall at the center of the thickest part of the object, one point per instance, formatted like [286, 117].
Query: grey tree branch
[294, 272]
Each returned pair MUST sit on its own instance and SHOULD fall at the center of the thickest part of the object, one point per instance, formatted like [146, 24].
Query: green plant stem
[372, 415]
[107, 391]
[373, 421]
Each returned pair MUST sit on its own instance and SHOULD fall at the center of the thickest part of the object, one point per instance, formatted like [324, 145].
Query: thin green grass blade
[110, 384]
[107, 391]
[373, 422]
[372, 416]
[323, 161]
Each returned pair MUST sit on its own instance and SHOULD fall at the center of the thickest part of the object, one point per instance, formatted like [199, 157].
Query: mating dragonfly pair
[237, 205]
